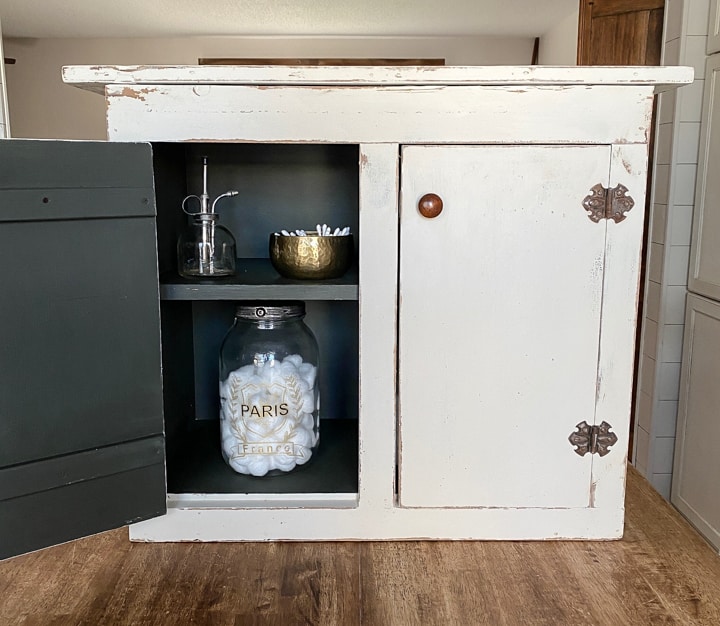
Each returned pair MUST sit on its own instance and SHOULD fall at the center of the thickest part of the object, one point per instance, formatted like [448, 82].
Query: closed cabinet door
[697, 463]
[499, 324]
[704, 276]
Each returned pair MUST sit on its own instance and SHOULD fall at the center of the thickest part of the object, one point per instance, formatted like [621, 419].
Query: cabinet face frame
[377, 514]
[611, 114]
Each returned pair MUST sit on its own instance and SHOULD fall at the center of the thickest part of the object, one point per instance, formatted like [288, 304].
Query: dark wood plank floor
[662, 572]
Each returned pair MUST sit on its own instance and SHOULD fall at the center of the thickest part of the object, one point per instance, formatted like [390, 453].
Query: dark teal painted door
[81, 425]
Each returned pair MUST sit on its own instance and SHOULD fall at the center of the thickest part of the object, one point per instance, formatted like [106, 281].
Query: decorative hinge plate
[592, 439]
[612, 204]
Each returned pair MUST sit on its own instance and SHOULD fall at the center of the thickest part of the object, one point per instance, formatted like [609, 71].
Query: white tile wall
[666, 104]
[683, 183]
[644, 411]
[697, 17]
[695, 52]
[680, 225]
[650, 338]
[673, 19]
[652, 301]
[663, 455]
[659, 223]
[647, 375]
[655, 263]
[673, 304]
[676, 265]
[642, 442]
[688, 143]
[690, 97]
[673, 194]
[661, 183]
[663, 144]
[668, 382]
[665, 417]
[662, 483]
[671, 54]
[671, 350]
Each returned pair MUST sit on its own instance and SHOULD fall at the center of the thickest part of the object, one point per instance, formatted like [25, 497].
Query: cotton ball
[227, 436]
[294, 359]
[308, 421]
[252, 436]
[226, 413]
[230, 444]
[258, 465]
[308, 402]
[302, 437]
[239, 465]
[304, 455]
[284, 462]
[241, 375]
[308, 372]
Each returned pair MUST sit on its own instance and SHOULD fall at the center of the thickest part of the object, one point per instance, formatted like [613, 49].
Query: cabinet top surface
[96, 77]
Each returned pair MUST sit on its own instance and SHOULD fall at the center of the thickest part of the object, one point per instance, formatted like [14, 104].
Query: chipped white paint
[94, 78]
[517, 312]
[617, 335]
[427, 114]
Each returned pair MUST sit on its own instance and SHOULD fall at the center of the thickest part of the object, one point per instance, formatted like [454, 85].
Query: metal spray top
[207, 212]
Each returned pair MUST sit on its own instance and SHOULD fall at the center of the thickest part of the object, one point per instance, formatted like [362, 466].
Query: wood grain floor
[662, 572]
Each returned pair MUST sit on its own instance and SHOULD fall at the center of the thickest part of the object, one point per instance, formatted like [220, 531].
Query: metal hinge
[612, 204]
[592, 439]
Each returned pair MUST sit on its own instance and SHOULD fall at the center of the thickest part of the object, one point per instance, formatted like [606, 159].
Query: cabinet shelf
[198, 466]
[256, 279]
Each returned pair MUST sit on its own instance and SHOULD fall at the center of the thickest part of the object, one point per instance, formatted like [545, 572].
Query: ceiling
[182, 18]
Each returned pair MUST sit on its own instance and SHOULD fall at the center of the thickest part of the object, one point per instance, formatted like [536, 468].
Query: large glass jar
[269, 399]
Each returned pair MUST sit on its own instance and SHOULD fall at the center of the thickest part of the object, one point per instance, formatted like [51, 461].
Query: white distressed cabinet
[471, 348]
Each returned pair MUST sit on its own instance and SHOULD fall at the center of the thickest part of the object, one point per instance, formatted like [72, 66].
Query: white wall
[558, 46]
[43, 107]
[672, 200]
[4, 124]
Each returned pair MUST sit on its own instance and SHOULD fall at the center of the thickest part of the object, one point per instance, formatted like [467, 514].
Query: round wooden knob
[430, 205]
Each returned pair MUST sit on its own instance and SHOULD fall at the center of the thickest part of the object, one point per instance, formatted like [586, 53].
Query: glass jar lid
[274, 311]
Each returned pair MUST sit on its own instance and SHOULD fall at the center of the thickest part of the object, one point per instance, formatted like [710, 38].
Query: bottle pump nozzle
[204, 197]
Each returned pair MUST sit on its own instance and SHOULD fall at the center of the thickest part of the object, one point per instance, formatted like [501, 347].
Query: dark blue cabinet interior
[280, 187]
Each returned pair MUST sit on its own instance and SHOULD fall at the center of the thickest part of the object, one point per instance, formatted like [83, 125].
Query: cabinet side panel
[621, 286]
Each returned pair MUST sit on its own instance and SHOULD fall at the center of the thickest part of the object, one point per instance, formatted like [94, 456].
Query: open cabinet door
[81, 425]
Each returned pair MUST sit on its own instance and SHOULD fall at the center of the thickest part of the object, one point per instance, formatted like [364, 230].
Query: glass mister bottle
[206, 249]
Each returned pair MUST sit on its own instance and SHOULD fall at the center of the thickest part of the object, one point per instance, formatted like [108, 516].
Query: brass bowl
[311, 257]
